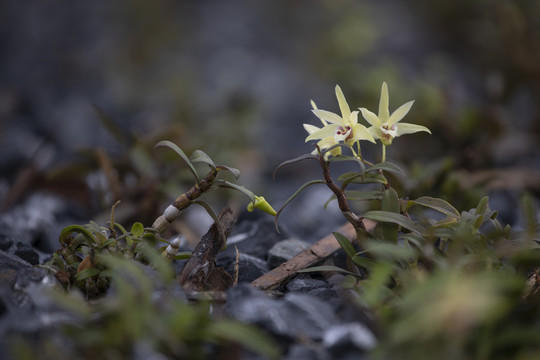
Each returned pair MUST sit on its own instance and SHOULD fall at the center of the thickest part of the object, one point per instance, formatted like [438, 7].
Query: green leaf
[345, 244]
[158, 262]
[388, 251]
[390, 203]
[137, 229]
[387, 166]
[87, 273]
[246, 335]
[182, 255]
[482, 206]
[341, 158]
[292, 161]
[227, 184]
[399, 219]
[179, 151]
[121, 228]
[361, 178]
[440, 205]
[235, 172]
[356, 195]
[327, 268]
[363, 261]
[296, 193]
[68, 230]
[199, 156]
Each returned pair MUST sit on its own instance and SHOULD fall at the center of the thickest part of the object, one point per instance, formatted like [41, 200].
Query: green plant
[79, 262]
[442, 283]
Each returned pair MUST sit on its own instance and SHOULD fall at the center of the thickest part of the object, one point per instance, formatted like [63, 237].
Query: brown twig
[355, 220]
[311, 256]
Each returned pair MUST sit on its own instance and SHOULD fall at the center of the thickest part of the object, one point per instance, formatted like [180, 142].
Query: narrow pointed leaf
[180, 153]
[399, 219]
[199, 156]
[291, 198]
[227, 184]
[361, 178]
[87, 273]
[440, 205]
[390, 203]
[345, 244]
[387, 166]
[356, 195]
[296, 159]
[388, 251]
[327, 268]
[363, 261]
[234, 171]
[68, 230]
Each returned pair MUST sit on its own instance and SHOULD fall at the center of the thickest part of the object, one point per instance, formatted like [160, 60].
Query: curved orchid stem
[383, 153]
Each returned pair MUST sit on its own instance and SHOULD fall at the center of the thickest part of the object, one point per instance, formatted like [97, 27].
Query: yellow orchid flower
[323, 143]
[339, 128]
[385, 126]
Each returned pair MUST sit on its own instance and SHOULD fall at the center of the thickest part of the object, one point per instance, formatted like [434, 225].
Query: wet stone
[249, 267]
[5, 242]
[301, 352]
[294, 316]
[300, 284]
[284, 251]
[346, 339]
[253, 237]
[27, 253]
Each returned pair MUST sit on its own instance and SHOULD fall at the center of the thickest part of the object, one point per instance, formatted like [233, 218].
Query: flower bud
[261, 204]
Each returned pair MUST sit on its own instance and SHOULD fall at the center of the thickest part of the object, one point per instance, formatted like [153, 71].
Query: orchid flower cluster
[346, 128]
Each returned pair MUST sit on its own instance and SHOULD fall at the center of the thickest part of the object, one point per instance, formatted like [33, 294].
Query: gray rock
[249, 267]
[305, 285]
[284, 251]
[253, 237]
[294, 316]
[304, 352]
[345, 338]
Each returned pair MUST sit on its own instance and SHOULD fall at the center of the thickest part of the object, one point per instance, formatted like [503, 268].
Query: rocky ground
[309, 316]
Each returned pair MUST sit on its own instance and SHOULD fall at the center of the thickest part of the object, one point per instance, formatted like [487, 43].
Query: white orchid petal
[353, 118]
[375, 131]
[405, 128]
[343, 105]
[384, 113]
[327, 131]
[328, 116]
[311, 128]
[370, 117]
[400, 113]
[360, 132]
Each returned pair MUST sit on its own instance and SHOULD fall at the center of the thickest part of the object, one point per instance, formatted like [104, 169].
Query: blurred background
[88, 88]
